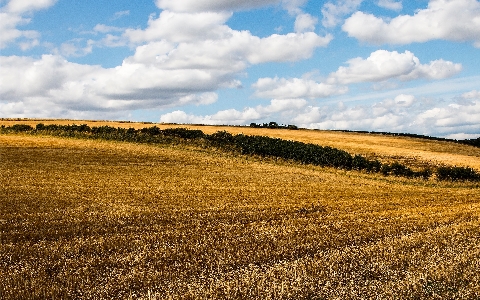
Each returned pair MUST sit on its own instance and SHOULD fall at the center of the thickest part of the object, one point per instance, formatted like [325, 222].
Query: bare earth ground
[83, 219]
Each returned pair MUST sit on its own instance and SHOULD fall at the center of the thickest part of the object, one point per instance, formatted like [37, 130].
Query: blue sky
[381, 65]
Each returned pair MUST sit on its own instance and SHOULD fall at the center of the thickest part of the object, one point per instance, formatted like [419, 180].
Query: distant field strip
[92, 219]
[257, 145]
[387, 148]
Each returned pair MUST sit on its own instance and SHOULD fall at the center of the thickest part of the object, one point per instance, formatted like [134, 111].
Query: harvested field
[89, 219]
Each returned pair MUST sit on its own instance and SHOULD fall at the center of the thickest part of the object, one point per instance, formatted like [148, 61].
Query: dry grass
[105, 220]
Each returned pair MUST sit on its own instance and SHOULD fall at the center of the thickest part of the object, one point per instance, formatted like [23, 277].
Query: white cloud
[212, 5]
[472, 95]
[281, 88]
[293, 6]
[224, 59]
[76, 87]
[205, 34]
[289, 47]
[75, 49]
[199, 99]
[183, 58]
[437, 69]
[380, 67]
[217, 51]
[10, 33]
[466, 117]
[120, 14]
[404, 113]
[230, 116]
[102, 28]
[404, 100]
[181, 117]
[333, 13]
[454, 20]
[305, 22]
[22, 6]
[383, 65]
[111, 41]
[182, 27]
[390, 4]
[285, 107]
[12, 16]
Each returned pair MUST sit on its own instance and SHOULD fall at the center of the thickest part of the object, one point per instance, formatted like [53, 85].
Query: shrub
[221, 138]
[183, 133]
[298, 151]
[397, 169]
[103, 130]
[425, 174]
[457, 173]
[21, 127]
[151, 130]
[359, 163]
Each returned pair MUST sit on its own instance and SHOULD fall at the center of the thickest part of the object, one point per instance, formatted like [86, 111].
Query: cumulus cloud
[440, 20]
[181, 27]
[289, 47]
[181, 58]
[461, 118]
[282, 88]
[22, 6]
[379, 67]
[305, 22]
[205, 34]
[383, 65]
[390, 4]
[333, 13]
[12, 16]
[210, 9]
[76, 87]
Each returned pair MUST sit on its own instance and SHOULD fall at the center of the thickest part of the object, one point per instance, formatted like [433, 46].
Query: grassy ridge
[306, 153]
[95, 219]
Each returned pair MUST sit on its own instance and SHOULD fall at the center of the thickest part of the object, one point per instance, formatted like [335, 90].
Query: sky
[379, 65]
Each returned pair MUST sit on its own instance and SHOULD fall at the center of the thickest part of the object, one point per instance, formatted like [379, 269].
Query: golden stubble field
[87, 219]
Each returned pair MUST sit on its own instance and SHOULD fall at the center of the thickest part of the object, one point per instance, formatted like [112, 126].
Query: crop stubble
[94, 219]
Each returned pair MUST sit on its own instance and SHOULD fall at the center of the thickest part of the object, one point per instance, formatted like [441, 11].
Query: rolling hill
[95, 219]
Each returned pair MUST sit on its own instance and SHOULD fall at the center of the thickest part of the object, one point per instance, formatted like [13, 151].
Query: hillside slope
[93, 219]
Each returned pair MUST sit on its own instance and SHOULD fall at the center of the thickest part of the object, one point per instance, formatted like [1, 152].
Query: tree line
[305, 153]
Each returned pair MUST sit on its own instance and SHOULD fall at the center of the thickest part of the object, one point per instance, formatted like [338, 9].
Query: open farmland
[90, 219]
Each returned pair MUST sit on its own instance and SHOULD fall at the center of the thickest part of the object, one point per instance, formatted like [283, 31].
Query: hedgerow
[263, 146]
[457, 173]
